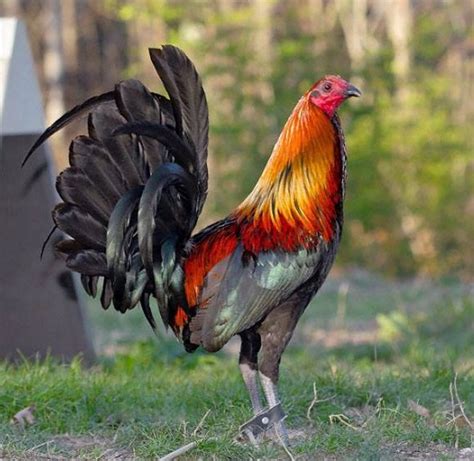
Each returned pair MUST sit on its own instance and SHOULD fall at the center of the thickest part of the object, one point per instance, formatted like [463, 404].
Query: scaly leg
[249, 376]
[275, 333]
[270, 390]
[249, 368]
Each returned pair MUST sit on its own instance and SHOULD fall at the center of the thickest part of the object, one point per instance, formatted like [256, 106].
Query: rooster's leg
[275, 332]
[249, 368]
[270, 389]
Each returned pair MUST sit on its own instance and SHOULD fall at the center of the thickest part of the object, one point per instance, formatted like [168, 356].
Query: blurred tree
[53, 67]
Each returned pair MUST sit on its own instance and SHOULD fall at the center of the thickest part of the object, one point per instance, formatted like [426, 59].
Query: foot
[279, 434]
[260, 424]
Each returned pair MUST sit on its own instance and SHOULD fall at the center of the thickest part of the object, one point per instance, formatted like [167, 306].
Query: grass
[145, 397]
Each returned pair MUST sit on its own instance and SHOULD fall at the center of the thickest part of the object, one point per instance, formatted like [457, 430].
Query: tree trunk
[353, 17]
[70, 36]
[53, 70]
[399, 20]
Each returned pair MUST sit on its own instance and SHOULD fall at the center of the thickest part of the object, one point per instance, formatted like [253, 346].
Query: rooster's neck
[298, 198]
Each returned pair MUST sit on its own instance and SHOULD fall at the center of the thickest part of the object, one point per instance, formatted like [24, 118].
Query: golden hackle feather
[300, 184]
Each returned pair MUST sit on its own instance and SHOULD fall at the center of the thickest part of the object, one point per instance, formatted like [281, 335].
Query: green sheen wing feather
[240, 292]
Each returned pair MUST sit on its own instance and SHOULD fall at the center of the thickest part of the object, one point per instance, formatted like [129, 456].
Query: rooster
[136, 185]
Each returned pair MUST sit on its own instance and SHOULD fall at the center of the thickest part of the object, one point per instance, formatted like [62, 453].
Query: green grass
[144, 398]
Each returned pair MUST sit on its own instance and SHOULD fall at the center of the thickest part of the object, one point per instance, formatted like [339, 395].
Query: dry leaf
[419, 409]
[24, 417]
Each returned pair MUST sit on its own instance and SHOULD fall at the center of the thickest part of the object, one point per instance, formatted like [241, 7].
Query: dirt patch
[403, 451]
[67, 447]
[406, 451]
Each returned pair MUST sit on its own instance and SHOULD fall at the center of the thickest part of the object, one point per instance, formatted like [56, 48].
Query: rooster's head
[330, 92]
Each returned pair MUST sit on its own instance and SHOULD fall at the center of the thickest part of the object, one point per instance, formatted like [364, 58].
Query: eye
[327, 86]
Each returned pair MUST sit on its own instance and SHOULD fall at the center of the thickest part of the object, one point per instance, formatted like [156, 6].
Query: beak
[351, 90]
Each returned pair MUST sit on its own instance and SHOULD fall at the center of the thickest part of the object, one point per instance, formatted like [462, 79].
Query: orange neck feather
[301, 186]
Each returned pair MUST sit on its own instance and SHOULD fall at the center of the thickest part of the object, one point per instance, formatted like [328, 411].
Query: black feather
[67, 118]
[137, 280]
[167, 77]
[169, 174]
[93, 285]
[74, 187]
[43, 247]
[85, 283]
[94, 160]
[90, 284]
[80, 225]
[181, 151]
[107, 294]
[123, 151]
[183, 84]
[87, 262]
[136, 103]
[68, 246]
[166, 110]
[145, 303]
[119, 235]
[135, 187]
[37, 173]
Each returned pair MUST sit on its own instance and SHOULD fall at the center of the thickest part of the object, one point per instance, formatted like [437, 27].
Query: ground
[377, 370]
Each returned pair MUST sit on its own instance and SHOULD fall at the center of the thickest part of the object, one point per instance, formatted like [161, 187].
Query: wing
[241, 289]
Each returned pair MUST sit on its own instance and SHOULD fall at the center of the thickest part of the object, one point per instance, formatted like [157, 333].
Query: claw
[281, 434]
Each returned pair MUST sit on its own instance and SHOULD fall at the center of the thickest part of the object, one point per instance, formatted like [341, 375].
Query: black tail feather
[80, 225]
[135, 187]
[188, 100]
[46, 240]
[136, 103]
[90, 284]
[169, 174]
[95, 161]
[75, 187]
[87, 262]
[124, 151]
[120, 233]
[145, 303]
[107, 294]
[182, 153]
[68, 117]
